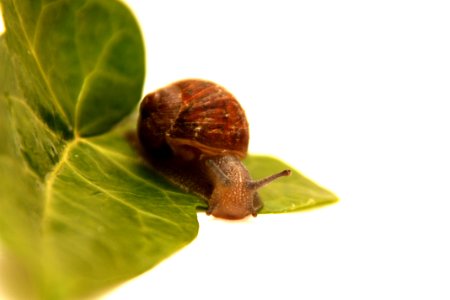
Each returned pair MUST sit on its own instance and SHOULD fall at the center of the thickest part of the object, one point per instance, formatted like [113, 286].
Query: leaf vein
[81, 99]
[117, 199]
[117, 164]
[51, 177]
[76, 205]
[108, 151]
[31, 46]
[136, 177]
[35, 116]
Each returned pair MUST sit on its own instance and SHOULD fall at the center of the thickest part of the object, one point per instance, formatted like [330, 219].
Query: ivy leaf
[86, 58]
[288, 194]
[74, 197]
[79, 209]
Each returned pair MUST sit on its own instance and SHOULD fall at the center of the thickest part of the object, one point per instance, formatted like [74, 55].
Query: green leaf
[288, 194]
[82, 56]
[100, 225]
[79, 209]
[92, 222]
[74, 196]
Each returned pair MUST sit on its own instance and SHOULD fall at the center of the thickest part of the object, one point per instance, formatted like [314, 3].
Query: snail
[195, 134]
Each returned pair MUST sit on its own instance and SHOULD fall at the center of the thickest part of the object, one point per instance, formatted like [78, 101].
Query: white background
[351, 93]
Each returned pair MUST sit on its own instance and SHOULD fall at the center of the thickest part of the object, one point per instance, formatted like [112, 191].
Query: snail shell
[193, 118]
[195, 133]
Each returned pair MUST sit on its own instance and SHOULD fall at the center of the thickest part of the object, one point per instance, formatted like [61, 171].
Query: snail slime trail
[195, 133]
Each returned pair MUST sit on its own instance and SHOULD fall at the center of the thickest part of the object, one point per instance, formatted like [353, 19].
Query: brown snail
[195, 133]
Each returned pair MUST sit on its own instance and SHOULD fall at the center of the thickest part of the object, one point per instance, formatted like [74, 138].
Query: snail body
[195, 133]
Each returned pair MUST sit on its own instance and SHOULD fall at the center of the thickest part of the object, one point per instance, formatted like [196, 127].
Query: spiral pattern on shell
[193, 118]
